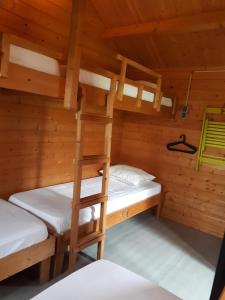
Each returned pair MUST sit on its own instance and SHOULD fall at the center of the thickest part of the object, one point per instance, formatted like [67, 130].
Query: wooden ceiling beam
[199, 22]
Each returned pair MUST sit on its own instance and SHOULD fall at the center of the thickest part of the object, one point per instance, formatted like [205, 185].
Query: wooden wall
[37, 142]
[37, 148]
[196, 199]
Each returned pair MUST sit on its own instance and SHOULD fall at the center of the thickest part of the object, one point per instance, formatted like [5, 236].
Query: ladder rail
[106, 166]
[77, 184]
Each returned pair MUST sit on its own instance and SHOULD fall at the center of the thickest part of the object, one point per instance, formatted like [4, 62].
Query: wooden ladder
[78, 203]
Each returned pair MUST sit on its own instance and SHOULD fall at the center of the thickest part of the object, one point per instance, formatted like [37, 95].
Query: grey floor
[178, 258]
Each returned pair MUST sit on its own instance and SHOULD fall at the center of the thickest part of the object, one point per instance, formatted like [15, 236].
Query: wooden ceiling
[159, 34]
[177, 44]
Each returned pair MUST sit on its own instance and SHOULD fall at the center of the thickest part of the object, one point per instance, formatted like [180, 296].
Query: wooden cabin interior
[112, 148]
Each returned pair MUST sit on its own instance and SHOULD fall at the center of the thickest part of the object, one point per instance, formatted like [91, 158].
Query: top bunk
[26, 67]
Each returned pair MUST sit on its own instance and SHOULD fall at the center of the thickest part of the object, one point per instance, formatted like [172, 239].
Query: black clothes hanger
[192, 149]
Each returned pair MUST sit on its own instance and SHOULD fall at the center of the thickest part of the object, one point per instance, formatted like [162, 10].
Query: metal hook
[183, 137]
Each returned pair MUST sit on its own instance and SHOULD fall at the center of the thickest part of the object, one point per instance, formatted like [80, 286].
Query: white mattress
[103, 280]
[43, 63]
[53, 203]
[18, 229]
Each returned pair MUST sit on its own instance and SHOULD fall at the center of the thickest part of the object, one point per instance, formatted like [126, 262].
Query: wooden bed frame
[20, 78]
[62, 241]
[27, 257]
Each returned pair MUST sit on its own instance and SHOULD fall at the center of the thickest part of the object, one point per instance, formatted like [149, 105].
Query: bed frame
[27, 257]
[62, 241]
[20, 78]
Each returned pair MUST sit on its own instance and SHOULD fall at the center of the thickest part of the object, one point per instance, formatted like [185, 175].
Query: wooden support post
[59, 256]
[158, 95]
[174, 106]
[4, 54]
[74, 55]
[45, 270]
[122, 79]
[139, 95]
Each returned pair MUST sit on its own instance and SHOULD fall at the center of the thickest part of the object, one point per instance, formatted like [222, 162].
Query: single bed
[24, 241]
[53, 205]
[39, 62]
[104, 280]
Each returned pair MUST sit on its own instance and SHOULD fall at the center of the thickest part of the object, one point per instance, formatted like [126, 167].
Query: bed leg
[158, 211]
[45, 270]
[59, 256]
[160, 205]
[100, 251]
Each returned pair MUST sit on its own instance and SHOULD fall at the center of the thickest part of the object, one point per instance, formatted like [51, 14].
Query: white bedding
[43, 63]
[53, 204]
[103, 280]
[18, 229]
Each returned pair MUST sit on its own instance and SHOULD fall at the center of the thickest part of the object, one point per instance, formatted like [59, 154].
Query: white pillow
[130, 175]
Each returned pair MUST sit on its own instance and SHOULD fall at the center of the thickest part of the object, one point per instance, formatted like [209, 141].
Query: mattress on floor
[53, 204]
[106, 281]
[18, 229]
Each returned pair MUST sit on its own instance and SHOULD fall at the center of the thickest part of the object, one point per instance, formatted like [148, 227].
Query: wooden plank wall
[46, 23]
[196, 199]
[37, 142]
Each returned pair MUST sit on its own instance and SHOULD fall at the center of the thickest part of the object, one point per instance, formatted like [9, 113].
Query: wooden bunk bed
[18, 73]
[16, 76]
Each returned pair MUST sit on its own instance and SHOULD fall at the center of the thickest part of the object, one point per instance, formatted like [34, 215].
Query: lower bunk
[24, 242]
[53, 205]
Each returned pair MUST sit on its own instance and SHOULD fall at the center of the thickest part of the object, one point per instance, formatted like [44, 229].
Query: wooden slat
[90, 239]
[32, 81]
[27, 257]
[4, 54]
[93, 159]
[25, 43]
[158, 95]
[74, 55]
[92, 200]
[130, 211]
[139, 95]
[96, 118]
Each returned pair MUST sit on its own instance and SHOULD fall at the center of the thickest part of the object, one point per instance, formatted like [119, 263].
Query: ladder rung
[92, 200]
[96, 118]
[94, 159]
[90, 239]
